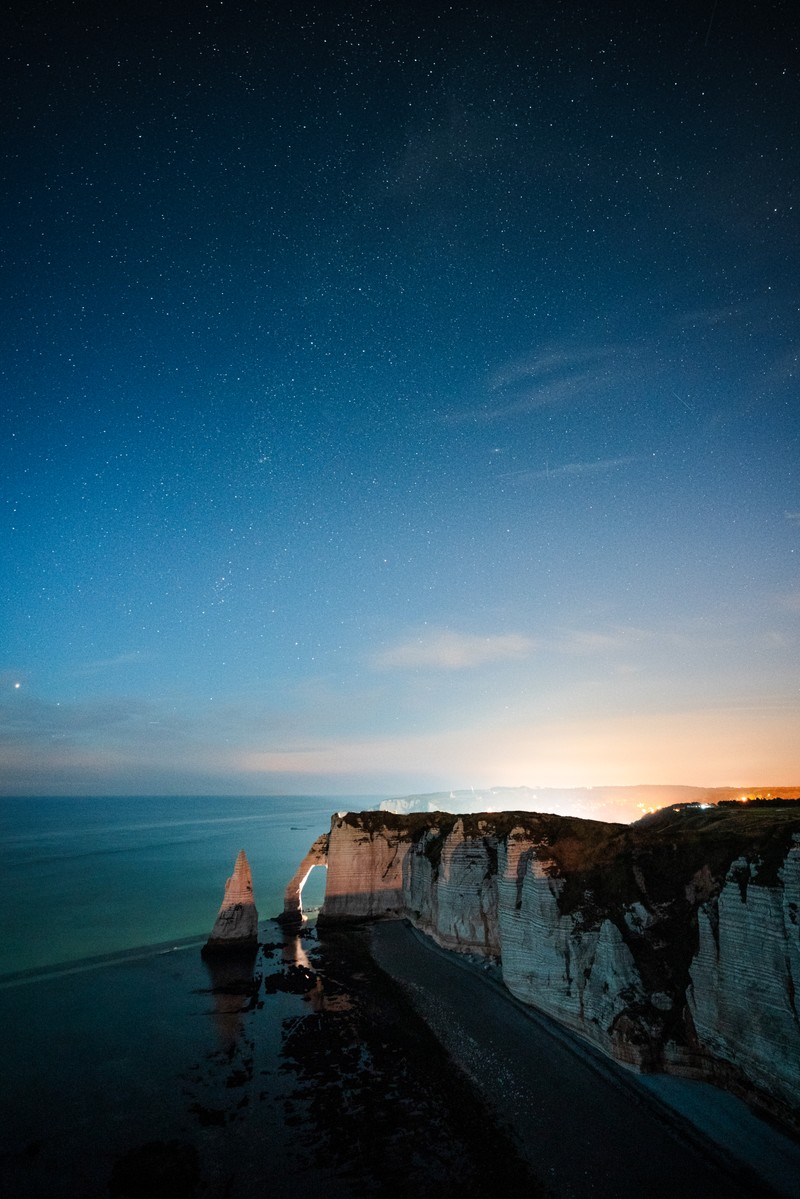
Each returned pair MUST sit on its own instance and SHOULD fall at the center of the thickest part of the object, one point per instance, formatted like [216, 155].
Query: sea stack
[236, 926]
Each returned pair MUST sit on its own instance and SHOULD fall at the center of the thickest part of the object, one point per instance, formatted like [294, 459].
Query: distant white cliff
[623, 803]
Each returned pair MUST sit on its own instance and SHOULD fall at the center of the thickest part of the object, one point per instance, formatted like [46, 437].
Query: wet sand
[354, 1063]
[589, 1129]
[301, 1070]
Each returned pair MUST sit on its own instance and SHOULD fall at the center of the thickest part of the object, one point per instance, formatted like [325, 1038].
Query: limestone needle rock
[236, 926]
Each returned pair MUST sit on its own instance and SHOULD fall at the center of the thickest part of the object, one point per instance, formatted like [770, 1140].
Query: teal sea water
[115, 1032]
[131, 1066]
[86, 877]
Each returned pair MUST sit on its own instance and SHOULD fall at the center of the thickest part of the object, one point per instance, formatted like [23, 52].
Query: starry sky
[399, 397]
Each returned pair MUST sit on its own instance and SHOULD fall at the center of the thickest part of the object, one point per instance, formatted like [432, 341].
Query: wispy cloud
[596, 641]
[546, 394]
[703, 318]
[553, 362]
[707, 746]
[555, 375]
[574, 469]
[793, 518]
[445, 650]
[543, 384]
[99, 665]
[41, 721]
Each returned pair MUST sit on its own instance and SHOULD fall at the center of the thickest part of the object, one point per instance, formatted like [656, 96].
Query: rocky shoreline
[296, 1070]
[671, 945]
[586, 1124]
[320, 1066]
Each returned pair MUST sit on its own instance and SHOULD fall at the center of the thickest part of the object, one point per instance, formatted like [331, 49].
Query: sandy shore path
[588, 1128]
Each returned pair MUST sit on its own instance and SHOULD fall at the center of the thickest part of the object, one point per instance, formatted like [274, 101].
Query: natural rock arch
[292, 899]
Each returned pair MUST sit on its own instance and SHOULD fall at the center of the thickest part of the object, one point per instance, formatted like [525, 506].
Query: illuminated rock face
[671, 947]
[236, 926]
[365, 869]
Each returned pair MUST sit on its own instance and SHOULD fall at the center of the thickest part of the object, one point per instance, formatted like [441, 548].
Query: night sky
[399, 397]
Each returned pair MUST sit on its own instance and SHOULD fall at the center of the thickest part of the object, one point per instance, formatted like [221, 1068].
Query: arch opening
[311, 892]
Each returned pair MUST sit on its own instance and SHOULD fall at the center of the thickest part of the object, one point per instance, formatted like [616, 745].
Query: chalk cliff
[672, 944]
[236, 926]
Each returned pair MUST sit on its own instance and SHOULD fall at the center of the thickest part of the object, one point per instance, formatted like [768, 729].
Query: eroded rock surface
[236, 926]
[672, 944]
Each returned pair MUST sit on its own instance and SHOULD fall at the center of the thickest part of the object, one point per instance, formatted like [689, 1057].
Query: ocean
[131, 1067]
[134, 1069]
[86, 877]
[116, 1035]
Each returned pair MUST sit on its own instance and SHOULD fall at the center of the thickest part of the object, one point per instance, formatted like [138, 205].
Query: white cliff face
[453, 895]
[621, 971]
[476, 894]
[365, 870]
[744, 993]
[583, 977]
[236, 925]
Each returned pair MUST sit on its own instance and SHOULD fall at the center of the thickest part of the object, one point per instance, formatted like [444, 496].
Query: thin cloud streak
[551, 377]
[744, 741]
[445, 650]
[574, 469]
[132, 658]
[597, 641]
[711, 746]
[551, 362]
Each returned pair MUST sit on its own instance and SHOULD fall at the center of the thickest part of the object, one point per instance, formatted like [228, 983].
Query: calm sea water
[113, 1033]
[81, 877]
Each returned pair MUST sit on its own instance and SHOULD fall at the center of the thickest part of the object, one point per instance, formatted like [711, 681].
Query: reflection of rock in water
[300, 977]
[234, 988]
[322, 1001]
[158, 1170]
[294, 953]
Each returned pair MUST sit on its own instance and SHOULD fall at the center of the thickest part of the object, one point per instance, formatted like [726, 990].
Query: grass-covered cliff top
[670, 845]
[477, 824]
[715, 836]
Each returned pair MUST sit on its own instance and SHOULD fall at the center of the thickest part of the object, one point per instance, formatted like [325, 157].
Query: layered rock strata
[672, 944]
[236, 926]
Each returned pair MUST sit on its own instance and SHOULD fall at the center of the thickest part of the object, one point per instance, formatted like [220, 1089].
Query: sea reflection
[234, 987]
[294, 953]
[307, 979]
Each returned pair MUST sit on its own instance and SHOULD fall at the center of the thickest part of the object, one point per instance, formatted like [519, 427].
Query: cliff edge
[672, 944]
